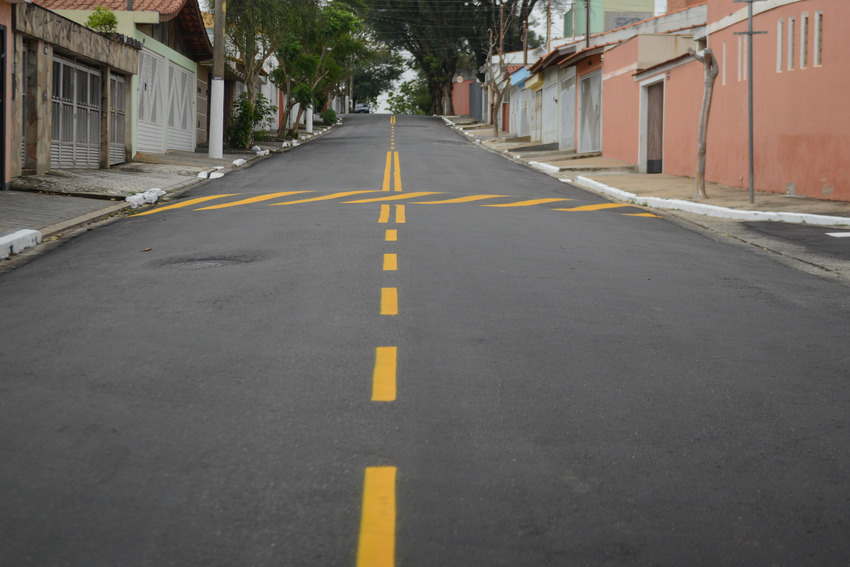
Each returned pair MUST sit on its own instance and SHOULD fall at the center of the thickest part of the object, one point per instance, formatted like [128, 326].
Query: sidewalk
[38, 207]
[621, 181]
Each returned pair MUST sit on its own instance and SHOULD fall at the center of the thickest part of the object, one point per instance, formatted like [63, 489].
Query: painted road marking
[389, 301]
[839, 234]
[392, 234]
[647, 215]
[250, 200]
[387, 168]
[399, 214]
[376, 546]
[188, 203]
[390, 262]
[597, 207]
[395, 197]
[385, 214]
[322, 198]
[527, 203]
[384, 376]
[397, 178]
[468, 199]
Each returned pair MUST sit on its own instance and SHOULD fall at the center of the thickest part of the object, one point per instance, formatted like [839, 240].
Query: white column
[216, 134]
[309, 113]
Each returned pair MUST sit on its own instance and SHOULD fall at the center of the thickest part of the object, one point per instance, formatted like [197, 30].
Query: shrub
[103, 20]
[244, 119]
[329, 117]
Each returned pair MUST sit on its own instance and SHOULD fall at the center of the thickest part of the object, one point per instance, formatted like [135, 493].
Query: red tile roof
[167, 9]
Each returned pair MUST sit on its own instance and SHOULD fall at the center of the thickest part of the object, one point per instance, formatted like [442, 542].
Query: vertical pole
[750, 95]
[549, 26]
[525, 42]
[216, 133]
[587, 23]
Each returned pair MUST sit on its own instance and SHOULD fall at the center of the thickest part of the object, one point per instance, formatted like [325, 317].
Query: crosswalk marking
[323, 198]
[250, 200]
[469, 199]
[188, 203]
[395, 197]
[527, 203]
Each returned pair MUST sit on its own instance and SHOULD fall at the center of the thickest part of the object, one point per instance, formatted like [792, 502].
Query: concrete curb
[708, 210]
[18, 241]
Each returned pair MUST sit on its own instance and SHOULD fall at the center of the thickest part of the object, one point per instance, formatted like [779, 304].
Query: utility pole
[216, 133]
[750, 33]
[549, 26]
[587, 23]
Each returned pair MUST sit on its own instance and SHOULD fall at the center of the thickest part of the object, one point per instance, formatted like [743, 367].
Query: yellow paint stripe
[468, 199]
[648, 215]
[599, 207]
[397, 178]
[527, 203]
[399, 214]
[395, 197]
[385, 214]
[322, 198]
[392, 234]
[387, 168]
[376, 546]
[182, 204]
[257, 199]
[390, 262]
[389, 301]
[384, 376]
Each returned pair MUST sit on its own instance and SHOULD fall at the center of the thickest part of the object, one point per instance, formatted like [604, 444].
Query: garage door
[181, 108]
[75, 135]
[151, 131]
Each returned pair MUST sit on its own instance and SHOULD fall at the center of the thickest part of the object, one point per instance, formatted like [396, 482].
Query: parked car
[361, 108]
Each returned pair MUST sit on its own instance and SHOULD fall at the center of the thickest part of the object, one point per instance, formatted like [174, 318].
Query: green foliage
[412, 98]
[329, 117]
[103, 20]
[244, 118]
[374, 74]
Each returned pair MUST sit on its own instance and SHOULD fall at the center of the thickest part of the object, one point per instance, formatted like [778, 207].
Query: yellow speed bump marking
[322, 198]
[468, 199]
[188, 203]
[390, 262]
[389, 301]
[384, 375]
[599, 207]
[648, 215]
[395, 197]
[527, 203]
[250, 200]
[376, 545]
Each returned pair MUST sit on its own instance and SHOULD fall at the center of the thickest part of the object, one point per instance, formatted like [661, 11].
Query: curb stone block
[18, 241]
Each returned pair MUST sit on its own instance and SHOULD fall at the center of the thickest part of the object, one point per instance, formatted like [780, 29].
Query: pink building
[652, 93]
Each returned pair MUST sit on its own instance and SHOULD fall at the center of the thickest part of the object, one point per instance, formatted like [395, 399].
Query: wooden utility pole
[587, 23]
[216, 133]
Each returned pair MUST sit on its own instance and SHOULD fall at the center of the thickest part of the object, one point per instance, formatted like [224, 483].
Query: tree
[374, 73]
[706, 57]
[255, 29]
[412, 98]
[498, 79]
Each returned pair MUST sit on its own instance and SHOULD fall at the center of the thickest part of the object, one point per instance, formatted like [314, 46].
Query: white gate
[567, 107]
[550, 113]
[590, 113]
[151, 130]
[181, 108]
[117, 120]
[75, 136]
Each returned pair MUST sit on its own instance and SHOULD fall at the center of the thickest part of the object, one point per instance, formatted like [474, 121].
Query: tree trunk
[711, 70]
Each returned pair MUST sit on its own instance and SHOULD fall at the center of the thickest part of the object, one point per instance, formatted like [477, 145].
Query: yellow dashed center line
[188, 203]
[257, 199]
[390, 262]
[376, 547]
[385, 214]
[399, 214]
[384, 376]
[389, 301]
[391, 234]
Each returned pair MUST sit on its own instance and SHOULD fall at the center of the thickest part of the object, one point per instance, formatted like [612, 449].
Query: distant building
[606, 15]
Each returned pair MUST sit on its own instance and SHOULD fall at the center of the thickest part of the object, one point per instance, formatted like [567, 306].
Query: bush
[329, 117]
[244, 119]
[103, 20]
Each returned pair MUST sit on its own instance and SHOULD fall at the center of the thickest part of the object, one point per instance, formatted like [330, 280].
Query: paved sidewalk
[42, 206]
[620, 181]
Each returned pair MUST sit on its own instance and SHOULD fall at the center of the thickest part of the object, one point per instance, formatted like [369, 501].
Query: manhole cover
[203, 263]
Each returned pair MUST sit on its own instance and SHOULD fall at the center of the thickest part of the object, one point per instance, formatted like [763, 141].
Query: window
[780, 32]
[818, 39]
[804, 40]
[791, 43]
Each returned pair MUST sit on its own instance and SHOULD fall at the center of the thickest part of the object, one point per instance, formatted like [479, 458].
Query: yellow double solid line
[390, 175]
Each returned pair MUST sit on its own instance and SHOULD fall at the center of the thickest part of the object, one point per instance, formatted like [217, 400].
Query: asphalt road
[334, 382]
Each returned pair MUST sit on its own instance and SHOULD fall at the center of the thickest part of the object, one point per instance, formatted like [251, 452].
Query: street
[392, 347]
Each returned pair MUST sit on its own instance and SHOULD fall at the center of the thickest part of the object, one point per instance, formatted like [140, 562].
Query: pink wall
[620, 103]
[802, 116]
[6, 20]
[460, 97]
[683, 92]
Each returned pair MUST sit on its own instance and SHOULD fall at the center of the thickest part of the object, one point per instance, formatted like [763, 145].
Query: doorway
[655, 128]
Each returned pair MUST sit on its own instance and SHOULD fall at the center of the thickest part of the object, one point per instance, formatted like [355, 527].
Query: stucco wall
[620, 103]
[802, 116]
[683, 92]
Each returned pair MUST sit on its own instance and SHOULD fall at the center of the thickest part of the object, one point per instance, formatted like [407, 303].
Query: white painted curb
[709, 210]
[18, 241]
[545, 167]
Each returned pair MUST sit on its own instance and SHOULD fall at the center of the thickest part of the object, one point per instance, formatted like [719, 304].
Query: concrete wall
[621, 103]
